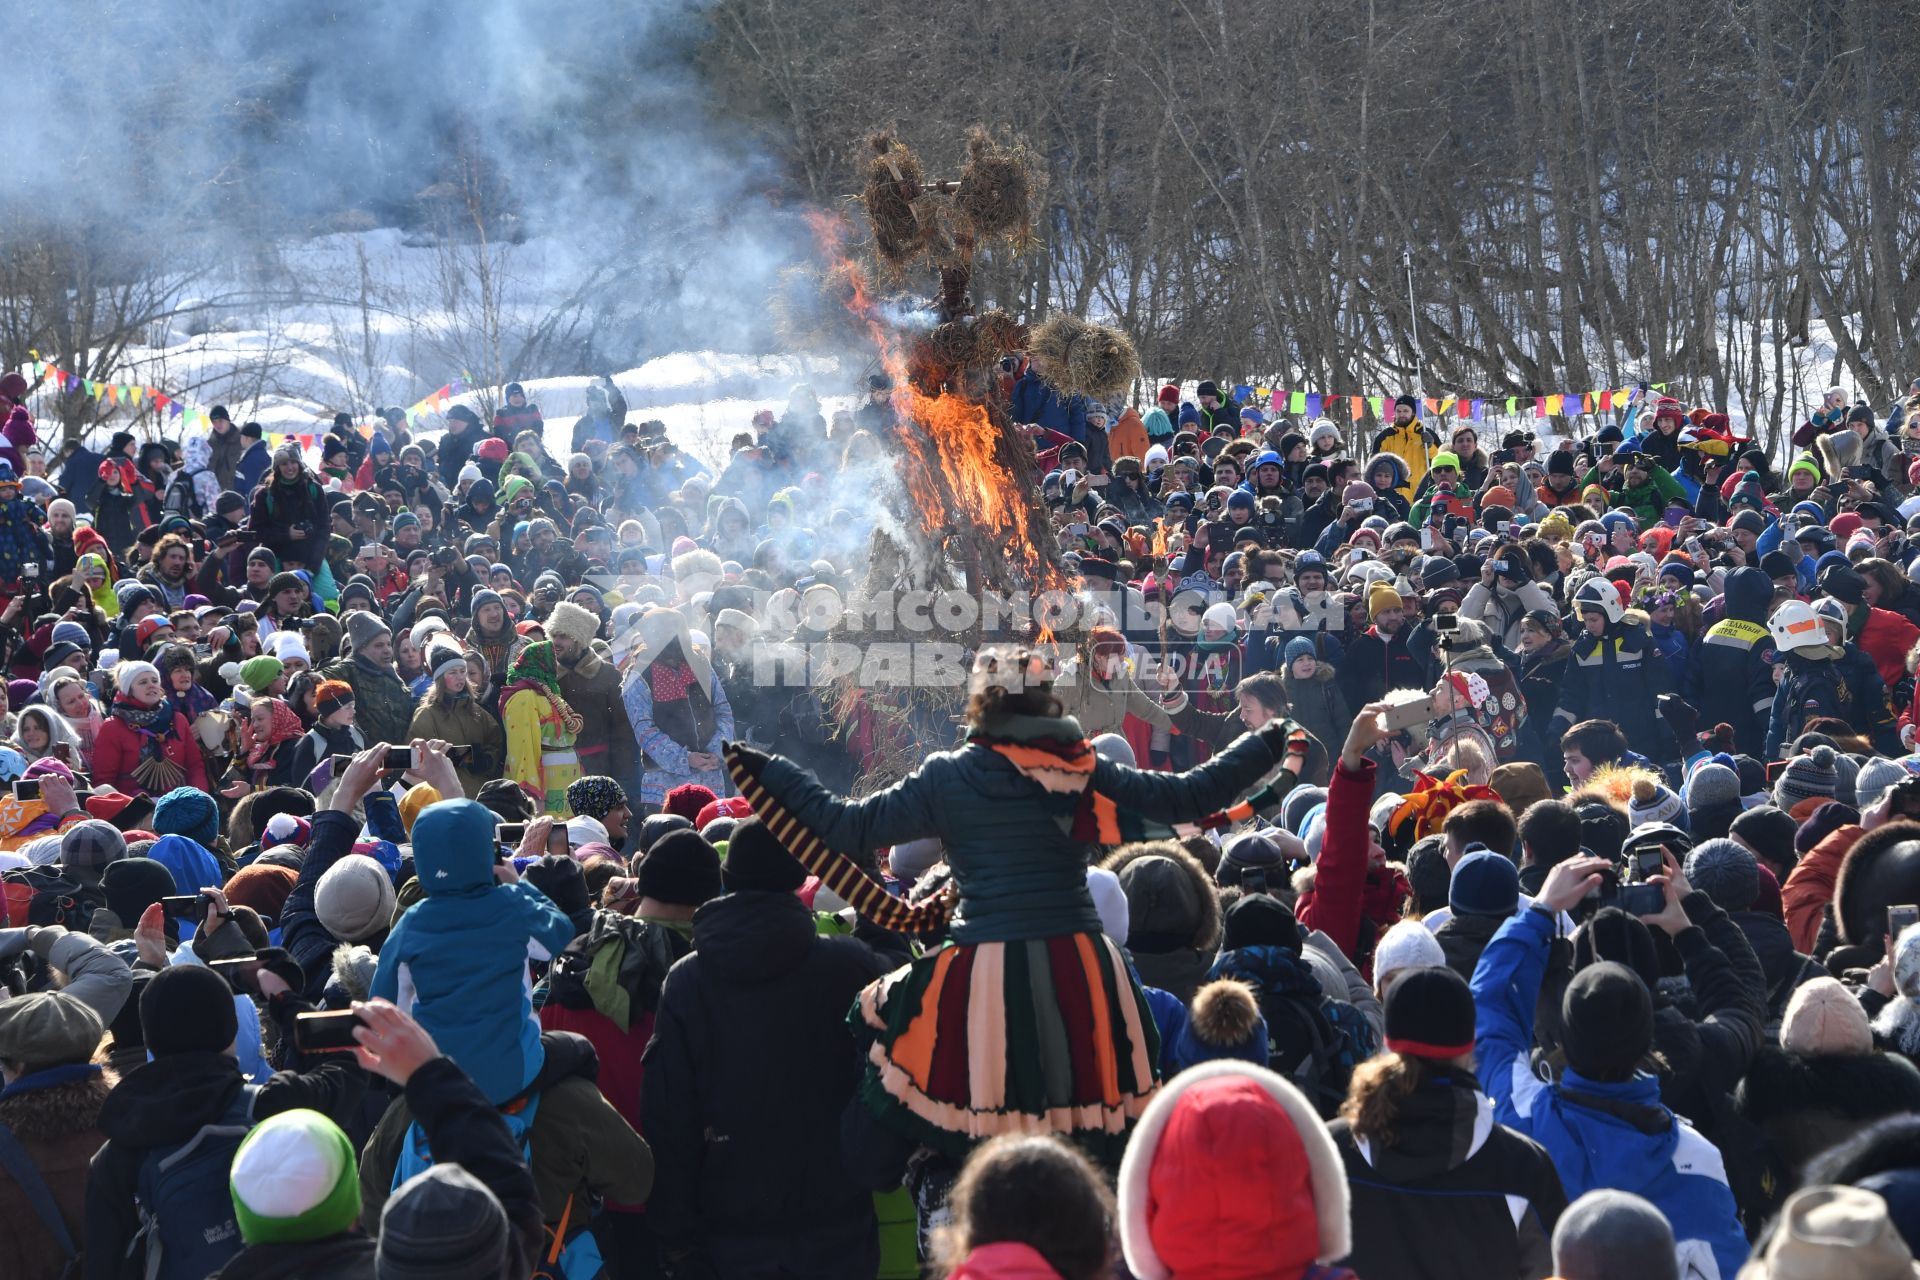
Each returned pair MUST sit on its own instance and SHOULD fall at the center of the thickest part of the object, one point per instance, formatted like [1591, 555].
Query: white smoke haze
[216, 138]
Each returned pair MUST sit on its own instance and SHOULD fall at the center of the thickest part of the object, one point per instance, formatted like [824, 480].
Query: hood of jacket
[1748, 593]
[453, 847]
[166, 1100]
[1616, 1135]
[753, 936]
[1170, 901]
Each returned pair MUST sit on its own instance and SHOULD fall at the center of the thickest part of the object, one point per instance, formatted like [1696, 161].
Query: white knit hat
[289, 646]
[1408, 945]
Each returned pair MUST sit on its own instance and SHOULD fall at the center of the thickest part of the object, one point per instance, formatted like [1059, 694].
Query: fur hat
[1223, 1021]
[574, 622]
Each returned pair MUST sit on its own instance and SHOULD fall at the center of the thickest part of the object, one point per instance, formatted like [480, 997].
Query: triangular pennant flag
[1464, 408]
[1240, 390]
[1511, 402]
[1313, 404]
[1479, 410]
[1539, 406]
[1586, 403]
[1297, 402]
[1606, 401]
[1380, 407]
[1359, 407]
[1554, 405]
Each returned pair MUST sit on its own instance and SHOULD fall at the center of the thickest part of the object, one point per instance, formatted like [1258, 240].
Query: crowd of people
[425, 856]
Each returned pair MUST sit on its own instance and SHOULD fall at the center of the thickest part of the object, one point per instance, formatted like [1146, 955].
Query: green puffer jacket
[1019, 873]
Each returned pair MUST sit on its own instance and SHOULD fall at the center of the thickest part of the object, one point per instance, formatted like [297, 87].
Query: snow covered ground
[377, 337]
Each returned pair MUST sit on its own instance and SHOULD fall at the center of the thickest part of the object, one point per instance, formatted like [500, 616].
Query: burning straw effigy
[970, 521]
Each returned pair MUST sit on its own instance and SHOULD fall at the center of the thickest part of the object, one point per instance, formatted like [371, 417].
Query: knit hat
[1297, 648]
[354, 899]
[330, 696]
[681, 868]
[595, 795]
[258, 673]
[1409, 944]
[687, 800]
[1875, 778]
[1223, 1022]
[1825, 819]
[1607, 1021]
[1430, 1014]
[1806, 777]
[574, 622]
[756, 860]
[263, 886]
[1484, 884]
[441, 1222]
[1261, 920]
[132, 885]
[1824, 1020]
[1381, 597]
[1725, 871]
[1614, 1233]
[443, 658]
[48, 1029]
[1769, 832]
[1653, 801]
[88, 847]
[295, 1177]
[281, 829]
[584, 829]
[1713, 799]
[187, 1008]
[289, 646]
[189, 812]
[364, 628]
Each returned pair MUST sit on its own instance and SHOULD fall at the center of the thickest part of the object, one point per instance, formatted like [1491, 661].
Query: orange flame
[950, 468]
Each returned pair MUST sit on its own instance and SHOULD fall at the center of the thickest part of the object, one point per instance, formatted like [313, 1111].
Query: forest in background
[1717, 196]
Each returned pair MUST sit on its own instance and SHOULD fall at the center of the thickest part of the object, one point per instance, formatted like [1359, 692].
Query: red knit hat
[687, 800]
[1170, 392]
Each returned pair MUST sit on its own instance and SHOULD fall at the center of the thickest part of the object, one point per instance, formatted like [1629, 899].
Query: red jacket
[116, 753]
[1809, 886]
[1340, 874]
[1887, 637]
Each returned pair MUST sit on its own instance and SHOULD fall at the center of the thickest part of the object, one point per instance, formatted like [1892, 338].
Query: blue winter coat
[1614, 1136]
[1033, 401]
[457, 960]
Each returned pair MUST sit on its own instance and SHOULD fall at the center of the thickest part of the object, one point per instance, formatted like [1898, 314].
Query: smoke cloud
[228, 125]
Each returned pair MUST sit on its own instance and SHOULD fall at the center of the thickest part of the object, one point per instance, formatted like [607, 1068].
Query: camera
[1446, 624]
[444, 556]
[30, 570]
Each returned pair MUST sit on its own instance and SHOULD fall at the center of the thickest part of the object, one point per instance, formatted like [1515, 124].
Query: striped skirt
[1050, 1035]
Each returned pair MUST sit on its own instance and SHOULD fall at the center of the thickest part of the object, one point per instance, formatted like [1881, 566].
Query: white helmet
[1834, 612]
[1795, 625]
[1601, 594]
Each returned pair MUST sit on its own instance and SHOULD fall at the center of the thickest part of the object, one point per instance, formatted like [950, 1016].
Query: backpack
[181, 498]
[1325, 1070]
[187, 1225]
[15, 1161]
[47, 895]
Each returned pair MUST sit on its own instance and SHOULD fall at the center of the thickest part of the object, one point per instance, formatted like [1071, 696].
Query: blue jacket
[1033, 401]
[1614, 1136]
[457, 960]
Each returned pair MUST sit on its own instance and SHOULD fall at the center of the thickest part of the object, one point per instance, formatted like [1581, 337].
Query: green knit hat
[294, 1178]
[258, 673]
